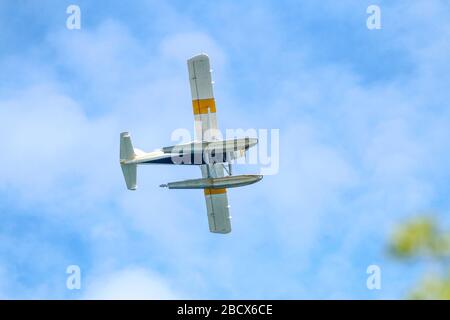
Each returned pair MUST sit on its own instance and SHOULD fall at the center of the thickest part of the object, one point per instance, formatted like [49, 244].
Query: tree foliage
[421, 238]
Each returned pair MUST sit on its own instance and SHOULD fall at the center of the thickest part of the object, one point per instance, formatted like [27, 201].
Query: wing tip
[222, 231]
[198, 57]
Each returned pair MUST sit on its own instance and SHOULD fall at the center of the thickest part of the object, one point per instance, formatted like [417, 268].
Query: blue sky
[364, 124]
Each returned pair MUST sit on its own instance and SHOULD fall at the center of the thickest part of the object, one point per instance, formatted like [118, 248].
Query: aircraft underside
[208, 151]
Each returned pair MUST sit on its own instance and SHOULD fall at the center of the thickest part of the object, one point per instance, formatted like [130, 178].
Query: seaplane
[209, 151]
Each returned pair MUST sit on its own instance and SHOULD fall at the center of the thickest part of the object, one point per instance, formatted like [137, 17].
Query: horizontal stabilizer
[130, 173]
[126, 147]
[127, 153]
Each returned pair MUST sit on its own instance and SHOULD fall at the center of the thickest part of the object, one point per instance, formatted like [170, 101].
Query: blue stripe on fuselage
[193, 159]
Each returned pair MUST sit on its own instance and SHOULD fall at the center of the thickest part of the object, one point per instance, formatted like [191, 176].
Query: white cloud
[353, 157]
[3, 281]
[130, 283]
[54, 152]
[65, 159]
[182, 46]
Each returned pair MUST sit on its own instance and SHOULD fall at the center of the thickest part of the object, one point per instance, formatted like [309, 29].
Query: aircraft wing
[203, 103]
[218, 210]
[204, 109]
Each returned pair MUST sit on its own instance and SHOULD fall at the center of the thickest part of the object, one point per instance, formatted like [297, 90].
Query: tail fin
[127, 153]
